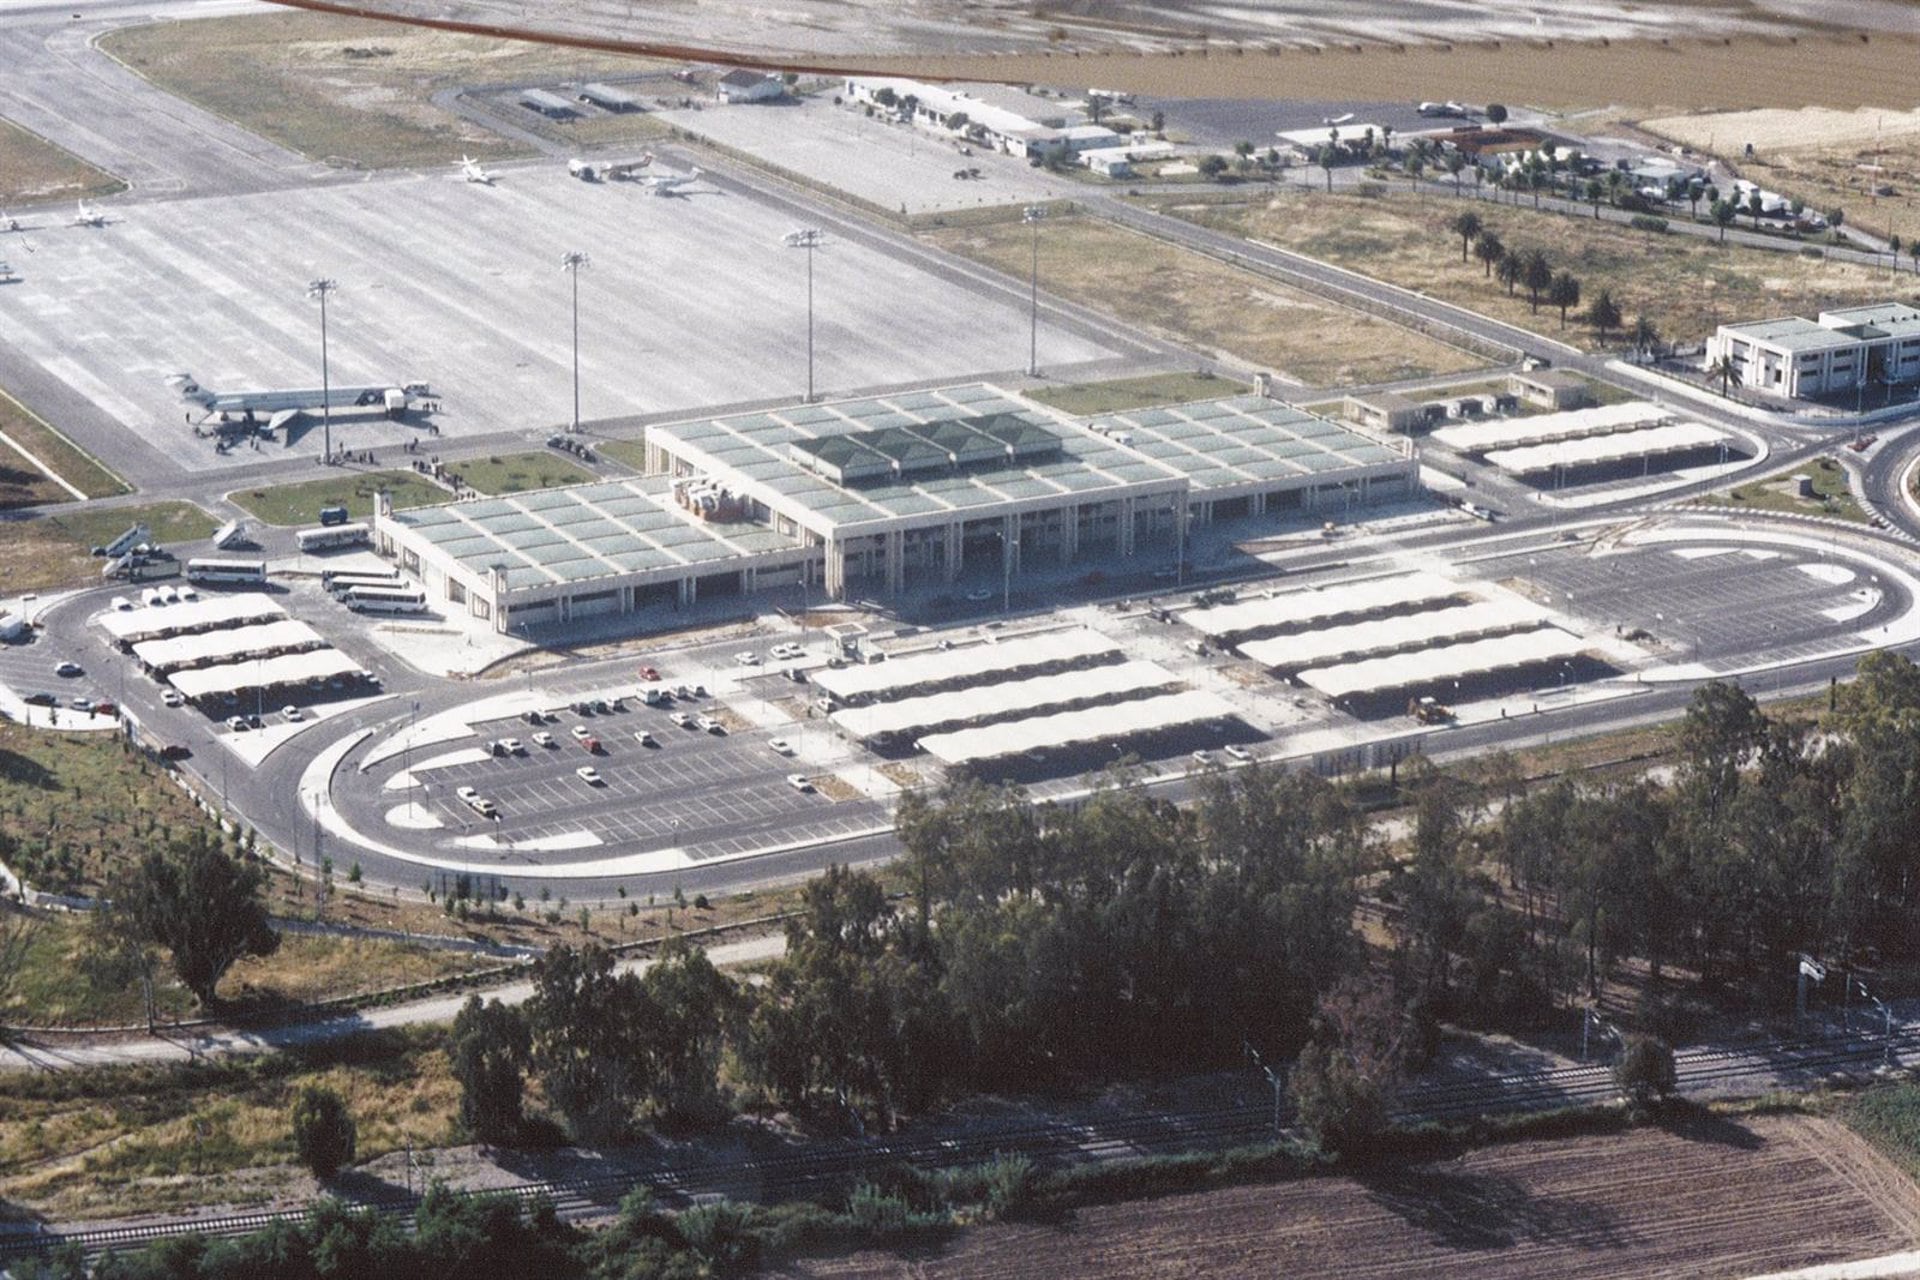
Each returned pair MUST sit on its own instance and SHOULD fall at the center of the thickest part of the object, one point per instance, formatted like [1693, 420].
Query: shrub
[323, 1131]
[1648, 222]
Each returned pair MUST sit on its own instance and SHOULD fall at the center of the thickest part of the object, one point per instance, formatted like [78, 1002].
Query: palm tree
[1564, 292]
[1596, 191]
[1466, 225]
[1455, 163]
[1489, 250]
[1645, 336]
[1604, 314]
[1722, 368]
[1537, 274]
[1324, 157]
[1754, 204]
[1914, 249]
[1694, 192]
[1512, 269]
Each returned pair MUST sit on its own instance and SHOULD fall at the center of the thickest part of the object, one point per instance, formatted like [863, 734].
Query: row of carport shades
[277, 651]
[152, 622]
[1580, 437]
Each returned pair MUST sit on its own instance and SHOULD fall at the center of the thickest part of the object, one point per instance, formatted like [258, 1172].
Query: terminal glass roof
[1217, 444]
[582, 532]
[955, 448]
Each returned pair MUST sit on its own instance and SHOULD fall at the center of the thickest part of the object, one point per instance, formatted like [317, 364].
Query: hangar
[868, 495]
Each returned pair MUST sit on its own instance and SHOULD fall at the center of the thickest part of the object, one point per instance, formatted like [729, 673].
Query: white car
[799, 782]
[1237, 751]
[645, 739]
[781, 745]
[747, 659]
[122, 604]
[513, 746]
[173, 698]
[581, 732]
[682, 719]
[544, 739]
[1201, 757]
[709, 724]
[237, 723]
[590, 776]
[292, 713]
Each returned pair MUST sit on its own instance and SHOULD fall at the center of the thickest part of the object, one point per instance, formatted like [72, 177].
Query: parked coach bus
[342, 582]
[386, 604]
[340, 535]
[253, 572]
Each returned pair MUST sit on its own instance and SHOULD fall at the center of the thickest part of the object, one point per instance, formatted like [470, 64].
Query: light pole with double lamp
[1033, 215]
[320, 288]
[571, 264]
[808, 238]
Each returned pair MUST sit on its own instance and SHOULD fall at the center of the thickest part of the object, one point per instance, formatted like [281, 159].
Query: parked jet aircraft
[1333, 120]
[608, 170]
[87, 216]
[670, 184]
[281, 405]
[473, 171]
[1443, 109]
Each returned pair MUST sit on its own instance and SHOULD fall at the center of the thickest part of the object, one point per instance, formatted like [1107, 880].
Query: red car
[649, 673]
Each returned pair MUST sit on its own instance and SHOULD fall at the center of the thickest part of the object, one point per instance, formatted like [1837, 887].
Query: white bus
[386, 604]
[359, 594]
[332, 539]
[339, 582]
[238, 571]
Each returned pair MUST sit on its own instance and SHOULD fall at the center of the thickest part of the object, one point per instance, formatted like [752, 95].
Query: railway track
[822, 1167]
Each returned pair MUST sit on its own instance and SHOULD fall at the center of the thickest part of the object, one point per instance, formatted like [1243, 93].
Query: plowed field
[1723, 1198]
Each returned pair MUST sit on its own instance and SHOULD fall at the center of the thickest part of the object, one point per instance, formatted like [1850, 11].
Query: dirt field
[34, 171]
[343, 89]
[1726, 1199]
[1688, 286]
[1194, 300]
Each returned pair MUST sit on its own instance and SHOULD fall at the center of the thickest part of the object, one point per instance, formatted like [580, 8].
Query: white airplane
[1448, 108]
[670, 184]
[473, 171]
[8, 222]
[1333, 120]
[608, 170]
[89, 217]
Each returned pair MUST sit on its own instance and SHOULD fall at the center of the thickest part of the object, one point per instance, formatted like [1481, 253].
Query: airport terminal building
[880, 495]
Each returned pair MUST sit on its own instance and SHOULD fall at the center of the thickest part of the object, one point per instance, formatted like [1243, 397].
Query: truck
[1429, 711]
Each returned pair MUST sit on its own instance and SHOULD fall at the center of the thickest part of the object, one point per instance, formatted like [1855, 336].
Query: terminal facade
[885, 494]
[1841, 351]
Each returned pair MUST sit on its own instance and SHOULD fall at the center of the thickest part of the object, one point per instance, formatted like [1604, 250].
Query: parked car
[645, 739]
[173, 698]
[42, 700]
[292, 713]
[69, 669]
[236, 723]
[799, 782]
[1237, 751]
[544, 739]
[747, 659]
[682, 719]
[590, 776]
[513, 746]
[649, 673]
[592, 745]
[781, 745]
[581, 732]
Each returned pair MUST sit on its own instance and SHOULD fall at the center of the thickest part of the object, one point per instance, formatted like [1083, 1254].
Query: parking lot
[28, 666]
[692, 786]
[458, 285]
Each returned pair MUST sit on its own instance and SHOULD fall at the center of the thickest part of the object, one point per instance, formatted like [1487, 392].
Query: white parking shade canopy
[197, 615]
[994, 701]
[289, 635]
[1298, 608]
[1679, 437]
[1545, 428]
[1119, 721]
[969, 662]
[1446, 662]
[239, 677]
[1390, 635]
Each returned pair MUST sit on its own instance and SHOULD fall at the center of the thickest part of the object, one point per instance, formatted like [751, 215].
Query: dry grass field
[34, 171]
[23, 484]
[1192, 299]
[1717, 1198]
[1688, 286]
[345, 90]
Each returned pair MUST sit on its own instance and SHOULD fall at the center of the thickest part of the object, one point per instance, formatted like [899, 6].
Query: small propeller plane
[670, 184]
[88, 216]
[473, 171]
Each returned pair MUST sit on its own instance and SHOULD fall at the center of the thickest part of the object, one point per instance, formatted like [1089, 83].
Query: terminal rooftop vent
[893, 454]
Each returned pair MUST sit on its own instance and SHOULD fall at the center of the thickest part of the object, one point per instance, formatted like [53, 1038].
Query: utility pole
[320, 288]
[1032, 215]
[571, 264]
[1274, 1078]
[808, 238]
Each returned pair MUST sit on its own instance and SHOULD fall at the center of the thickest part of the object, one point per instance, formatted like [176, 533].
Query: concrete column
[1010, 530]
[689, 592]
[953, 542]
[895, 554]
[835, 563]
[1126, 526]
[1069, 534]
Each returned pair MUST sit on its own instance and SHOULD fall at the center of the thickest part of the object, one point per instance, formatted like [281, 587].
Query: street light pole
[571, 264]
[808, 238]
[1032, 216]
[320, 288]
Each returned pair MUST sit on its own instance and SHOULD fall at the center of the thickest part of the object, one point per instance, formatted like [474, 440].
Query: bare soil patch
[1717, 1198]
[1688, 286]
[1194, 300]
